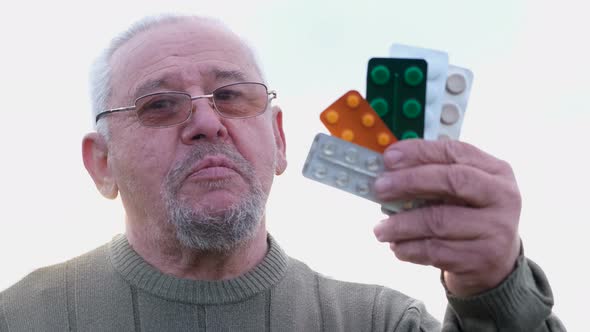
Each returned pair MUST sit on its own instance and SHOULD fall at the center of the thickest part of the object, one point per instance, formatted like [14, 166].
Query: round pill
[342, 179]
[332, 117]
[412, 108]
[450, 114]
[351, 155]
[409, 134]
[362, 188]
[368, 120]
[320, 171]
[456, 84]
[380, 75]
[413, 76]
[329, 149]
[380, 106]
[347, 135]
[353, 101]
[383, 139]
[372, 164]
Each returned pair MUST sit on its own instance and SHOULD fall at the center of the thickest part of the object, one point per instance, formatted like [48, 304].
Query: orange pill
[332, 116]
[347, 135]
[368, 120]
[383, 139]
[353, 101]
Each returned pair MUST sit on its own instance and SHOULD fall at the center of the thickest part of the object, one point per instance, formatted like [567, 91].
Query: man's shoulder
[47, 286]
[45, 280]
[44, 299]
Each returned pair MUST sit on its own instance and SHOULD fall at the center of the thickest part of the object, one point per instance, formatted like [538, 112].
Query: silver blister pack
[347, 166]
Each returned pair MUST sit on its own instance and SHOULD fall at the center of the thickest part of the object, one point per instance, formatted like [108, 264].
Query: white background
[529, 105]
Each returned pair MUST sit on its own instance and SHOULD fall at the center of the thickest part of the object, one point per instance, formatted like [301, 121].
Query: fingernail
[381, 184]
[392, 157]
[377, 232]
[377, 229]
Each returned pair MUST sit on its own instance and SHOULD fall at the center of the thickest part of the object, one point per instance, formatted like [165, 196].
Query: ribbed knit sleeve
[522, 302]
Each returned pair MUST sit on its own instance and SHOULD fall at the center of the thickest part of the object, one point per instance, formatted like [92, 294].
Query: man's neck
[166, 254]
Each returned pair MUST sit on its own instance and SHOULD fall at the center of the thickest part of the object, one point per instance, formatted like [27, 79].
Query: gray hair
[100, 73]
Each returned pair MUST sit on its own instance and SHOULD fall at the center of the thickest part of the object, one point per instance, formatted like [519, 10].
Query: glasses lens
[241, 100]
[163, 109]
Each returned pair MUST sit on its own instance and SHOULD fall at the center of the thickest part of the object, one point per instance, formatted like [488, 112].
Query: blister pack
[396, 90]
[438, 63]
[416, 94]
[456, 94]
[349, 167]
[352, 119]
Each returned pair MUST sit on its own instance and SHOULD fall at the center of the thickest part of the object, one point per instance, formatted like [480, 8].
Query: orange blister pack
[352, 119]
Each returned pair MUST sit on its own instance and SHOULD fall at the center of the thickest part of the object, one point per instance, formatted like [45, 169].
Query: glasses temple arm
[114, 110]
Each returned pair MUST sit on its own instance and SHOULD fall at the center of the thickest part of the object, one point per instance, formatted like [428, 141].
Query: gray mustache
[180, 171]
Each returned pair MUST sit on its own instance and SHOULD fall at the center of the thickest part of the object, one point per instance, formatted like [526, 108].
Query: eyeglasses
[170, 108]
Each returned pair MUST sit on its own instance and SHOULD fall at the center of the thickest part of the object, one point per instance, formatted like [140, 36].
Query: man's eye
[160, 104]
[227, 95]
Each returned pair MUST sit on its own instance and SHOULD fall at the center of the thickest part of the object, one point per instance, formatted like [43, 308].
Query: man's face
[208, 166]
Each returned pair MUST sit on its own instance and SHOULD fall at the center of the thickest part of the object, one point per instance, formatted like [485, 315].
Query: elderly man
[188, 139]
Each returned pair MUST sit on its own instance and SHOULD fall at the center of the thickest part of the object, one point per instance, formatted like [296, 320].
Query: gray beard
[214, 231]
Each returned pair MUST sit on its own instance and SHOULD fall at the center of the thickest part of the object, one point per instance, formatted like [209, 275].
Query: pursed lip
[212, 162]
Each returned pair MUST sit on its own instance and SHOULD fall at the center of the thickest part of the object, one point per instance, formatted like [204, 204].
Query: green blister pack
[396, 89]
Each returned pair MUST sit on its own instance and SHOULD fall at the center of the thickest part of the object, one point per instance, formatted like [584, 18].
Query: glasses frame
[272, 94]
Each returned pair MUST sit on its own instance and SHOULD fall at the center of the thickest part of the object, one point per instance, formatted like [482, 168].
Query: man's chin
[215, 219]
[214, 202]
[216, 226]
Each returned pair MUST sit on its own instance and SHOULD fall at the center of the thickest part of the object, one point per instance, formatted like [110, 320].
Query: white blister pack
[348, 167]
[457, 88]
[438, 63]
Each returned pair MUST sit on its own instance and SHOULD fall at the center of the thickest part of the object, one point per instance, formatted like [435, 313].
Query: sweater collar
[136, 271]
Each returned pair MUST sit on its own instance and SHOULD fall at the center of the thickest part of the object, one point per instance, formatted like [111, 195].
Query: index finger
[415, 152]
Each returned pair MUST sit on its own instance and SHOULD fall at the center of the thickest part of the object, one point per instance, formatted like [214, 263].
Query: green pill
[409, 134]
[413, 76]
[380, 106]
[412, 108]
[380, 75]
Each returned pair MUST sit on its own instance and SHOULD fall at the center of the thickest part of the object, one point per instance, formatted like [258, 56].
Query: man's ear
[95, 156]
[281, 143]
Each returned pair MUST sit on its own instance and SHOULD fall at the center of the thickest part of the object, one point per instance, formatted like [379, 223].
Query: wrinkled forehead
[185, 50]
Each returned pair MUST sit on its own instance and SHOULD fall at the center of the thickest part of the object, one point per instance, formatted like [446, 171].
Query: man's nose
[204, 124]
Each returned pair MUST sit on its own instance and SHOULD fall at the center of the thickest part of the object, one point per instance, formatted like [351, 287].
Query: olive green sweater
[113, 289]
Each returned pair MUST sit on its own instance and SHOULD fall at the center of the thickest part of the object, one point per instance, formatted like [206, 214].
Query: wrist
[474, 283]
